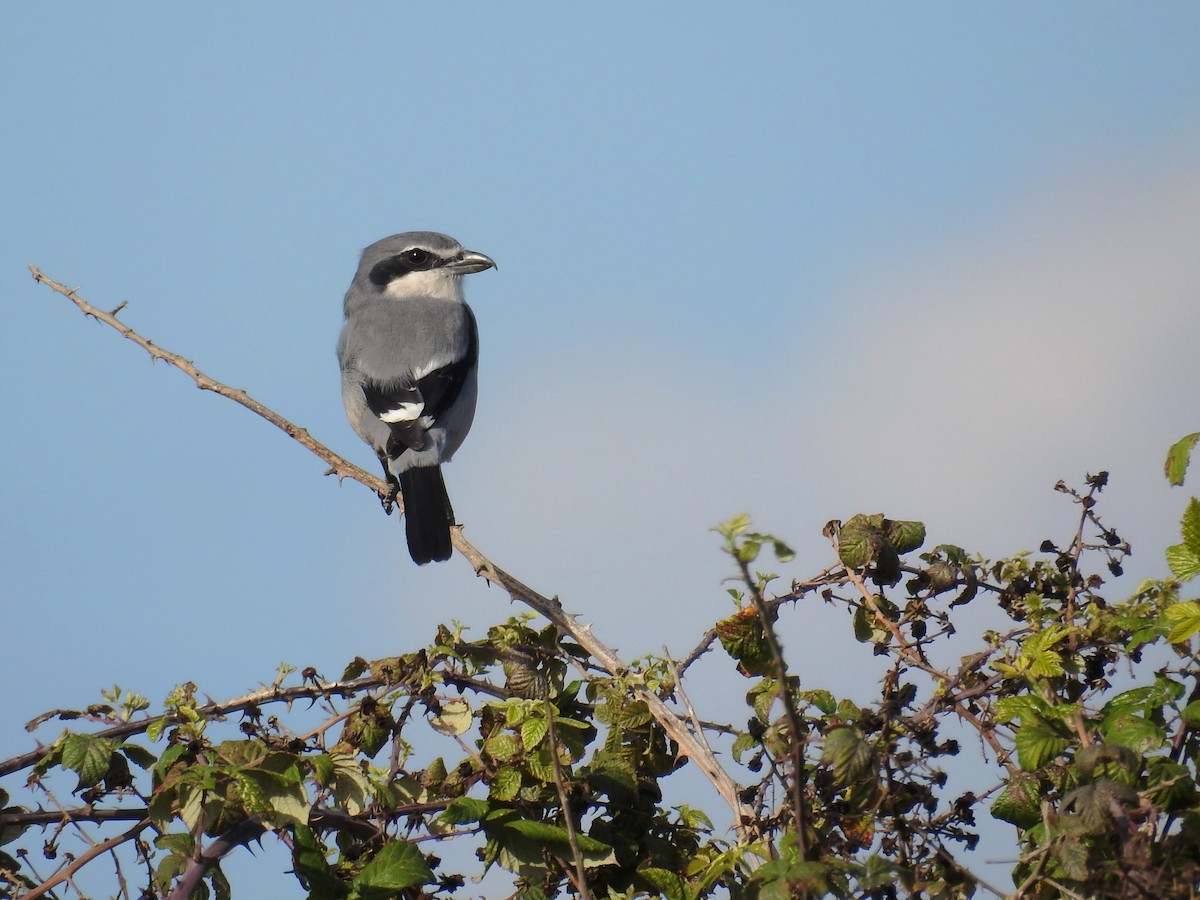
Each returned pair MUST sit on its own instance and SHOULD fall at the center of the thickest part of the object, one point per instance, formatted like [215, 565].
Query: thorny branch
[552, 610]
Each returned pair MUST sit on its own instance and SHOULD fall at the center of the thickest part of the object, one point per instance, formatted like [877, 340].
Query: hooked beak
[469, 261]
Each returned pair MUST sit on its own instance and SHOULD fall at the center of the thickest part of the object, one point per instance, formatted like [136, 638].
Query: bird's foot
[388, 500]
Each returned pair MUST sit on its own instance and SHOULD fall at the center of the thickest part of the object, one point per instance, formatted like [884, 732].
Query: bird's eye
[418, 257]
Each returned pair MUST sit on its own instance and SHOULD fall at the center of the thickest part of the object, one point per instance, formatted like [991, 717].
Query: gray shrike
[409, 351]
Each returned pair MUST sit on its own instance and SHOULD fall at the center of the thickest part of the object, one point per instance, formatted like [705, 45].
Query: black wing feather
[438, 390]
[441, 387]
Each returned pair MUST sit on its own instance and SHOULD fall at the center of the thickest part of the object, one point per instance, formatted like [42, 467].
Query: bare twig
[579, 879]
[788, 699]
[916, 659]
[83, 859]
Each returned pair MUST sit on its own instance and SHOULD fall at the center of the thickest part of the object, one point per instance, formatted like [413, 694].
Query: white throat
[436, 283]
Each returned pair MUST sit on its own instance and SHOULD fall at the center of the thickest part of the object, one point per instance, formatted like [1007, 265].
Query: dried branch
[83, 859]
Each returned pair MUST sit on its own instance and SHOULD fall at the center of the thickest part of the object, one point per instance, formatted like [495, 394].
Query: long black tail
[427, 514]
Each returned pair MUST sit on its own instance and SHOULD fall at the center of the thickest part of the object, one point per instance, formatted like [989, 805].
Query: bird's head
[420, 264]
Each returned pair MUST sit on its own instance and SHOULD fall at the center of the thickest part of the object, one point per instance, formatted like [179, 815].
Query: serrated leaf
[312, 868]
[665, 882]
[464, 810]
[742, 743]
[161, 808]
[183, 844]
[1189, 526]
[155, 729]
[859, 540]
[847, 752]
[138, 755]
[735, 526]
[1020, 801]
[1184, 561]
[904, 536]
[398, 866]
[1111, 761]
[743, 638]
[251, 793]
[88, 757]
[1025, 707]
[1073, 857]
[1138, 734]
[556, 837]
[1178, 457]
[322, 764]
[820, 698]
[1045, 664]
[191, 805]
[506, 784]
[1191, 714]
[533, 730]
[1037, 744]
[455, 718]
[1185, 620]
[350, 784]
[502, 746]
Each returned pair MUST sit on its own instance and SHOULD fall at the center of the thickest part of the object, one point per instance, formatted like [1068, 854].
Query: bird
[409, 355]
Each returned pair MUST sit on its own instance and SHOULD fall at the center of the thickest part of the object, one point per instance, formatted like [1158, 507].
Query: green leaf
[1190, 526]
[743, 638]
[88, 756]
[820, 698]
[747, 551]
[502, 746]
[860, 540]
[1178, 456]
[734, 526]
[904, 536]
[555, 837]
[1073, 857]
[1037, 744]
[1020, 801]
[192, 807]
[138, 755]
[251, 792]
[847, 752]
[666, 882]
[1108, 762]
[183, 844]
[322, 766]
[464, 810]
[399, 865]
[533, 730]
[1191, 714]
[506, 783]
[454, 719]
[1025, 707]
[1184, 562]
[1138, 734]
[221, 889]
[1185, 621]
[1170, 785]
[350, 784]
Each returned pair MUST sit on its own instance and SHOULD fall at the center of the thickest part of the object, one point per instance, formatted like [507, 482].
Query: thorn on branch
[120, 306]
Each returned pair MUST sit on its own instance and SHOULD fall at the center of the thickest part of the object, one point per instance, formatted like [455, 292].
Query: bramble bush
[539, 748]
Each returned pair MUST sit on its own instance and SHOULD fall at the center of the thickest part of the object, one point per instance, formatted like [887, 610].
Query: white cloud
[1057, 338]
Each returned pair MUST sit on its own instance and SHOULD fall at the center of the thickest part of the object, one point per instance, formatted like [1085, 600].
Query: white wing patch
[403, 412]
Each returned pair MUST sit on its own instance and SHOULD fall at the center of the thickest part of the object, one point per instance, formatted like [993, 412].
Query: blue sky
[797, 260]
